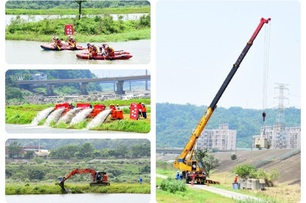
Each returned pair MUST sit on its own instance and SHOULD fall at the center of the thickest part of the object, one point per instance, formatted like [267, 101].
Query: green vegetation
[72, 11]
[124, 160]
[208, 161]
[96, 29]
[250, 171]
[25, 114]
[189, 196]
[44, 188]
[15, 93]
[175, 122]
[274, 194]
[172, 185]
[60, 6]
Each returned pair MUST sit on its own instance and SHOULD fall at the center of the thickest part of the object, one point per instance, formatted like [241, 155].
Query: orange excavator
[98, 178]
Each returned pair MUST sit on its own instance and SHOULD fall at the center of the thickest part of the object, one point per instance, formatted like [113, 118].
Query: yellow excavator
[189, 167]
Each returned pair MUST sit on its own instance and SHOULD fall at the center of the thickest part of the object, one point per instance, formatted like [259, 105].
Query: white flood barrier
[100, 118]
[42, 115]
[80, 116]
[54, 116]
[69, 115]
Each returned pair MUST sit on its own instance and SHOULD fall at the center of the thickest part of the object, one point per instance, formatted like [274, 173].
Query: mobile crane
[98, 178]
[185, 161]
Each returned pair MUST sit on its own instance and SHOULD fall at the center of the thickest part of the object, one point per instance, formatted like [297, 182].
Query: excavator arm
[184, 161]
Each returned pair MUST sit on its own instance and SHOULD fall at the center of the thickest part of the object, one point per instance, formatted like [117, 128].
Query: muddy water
[30, 52]
[79, 198]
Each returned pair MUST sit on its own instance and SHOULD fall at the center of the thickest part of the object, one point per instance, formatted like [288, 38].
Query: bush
[173, 185]
[233, 156]
[249, 171]
[245, 171]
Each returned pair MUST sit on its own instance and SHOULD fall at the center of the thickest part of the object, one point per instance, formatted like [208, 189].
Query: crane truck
[98, 178]
[190, 167]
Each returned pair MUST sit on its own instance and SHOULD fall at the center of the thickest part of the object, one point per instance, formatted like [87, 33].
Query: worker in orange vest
[144, 111]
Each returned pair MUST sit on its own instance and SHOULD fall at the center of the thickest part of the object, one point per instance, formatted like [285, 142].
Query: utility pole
[80, 6]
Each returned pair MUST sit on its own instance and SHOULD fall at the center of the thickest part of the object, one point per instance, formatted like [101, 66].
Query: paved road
[225, 193]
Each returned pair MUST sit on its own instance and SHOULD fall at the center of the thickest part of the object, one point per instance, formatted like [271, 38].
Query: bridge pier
[119, 85]
[84, 88]
[50, 90]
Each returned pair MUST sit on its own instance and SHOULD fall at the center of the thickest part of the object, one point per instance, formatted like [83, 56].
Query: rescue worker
[193, 178]
[236, 178]
[110, 53]
[144, 111]
[93, 50]
[88, 47]
[177, 177]
[54, 40]
[71, 41]
[102, 49]
[139, 107]
[58, 43]
[140, 179]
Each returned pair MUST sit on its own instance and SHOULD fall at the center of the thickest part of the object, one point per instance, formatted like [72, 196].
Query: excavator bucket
[61, 184]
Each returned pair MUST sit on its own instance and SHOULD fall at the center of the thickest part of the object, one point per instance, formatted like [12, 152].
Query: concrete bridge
[169, 150]
[119, 81]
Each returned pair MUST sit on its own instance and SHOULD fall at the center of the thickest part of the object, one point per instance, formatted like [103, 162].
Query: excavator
[191, 168]
[98, 178]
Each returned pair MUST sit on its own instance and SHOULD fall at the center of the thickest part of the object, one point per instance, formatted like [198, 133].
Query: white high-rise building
[221, 139]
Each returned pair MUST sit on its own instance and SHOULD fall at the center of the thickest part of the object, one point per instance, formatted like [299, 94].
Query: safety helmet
[92, 44]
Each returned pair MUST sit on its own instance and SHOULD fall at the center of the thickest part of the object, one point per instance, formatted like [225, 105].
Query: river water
[30, 52]
[79, 198]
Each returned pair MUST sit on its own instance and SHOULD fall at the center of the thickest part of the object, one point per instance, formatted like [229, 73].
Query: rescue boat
[51, 47]
[119, 55]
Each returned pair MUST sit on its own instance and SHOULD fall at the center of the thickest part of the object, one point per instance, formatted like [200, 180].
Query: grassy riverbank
[88, 29]
[40, 175]
[49, 188]
[281, 193]
[75, 11]
[25, 114]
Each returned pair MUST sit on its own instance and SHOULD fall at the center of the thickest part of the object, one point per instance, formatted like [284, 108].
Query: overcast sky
[199, 41]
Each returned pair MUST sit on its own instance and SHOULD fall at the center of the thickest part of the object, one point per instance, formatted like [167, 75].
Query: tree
[29, 155]
[121, 151]
[14, 149]
[36, 174]
[86, 150]
[206, 161]
[245, 170]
